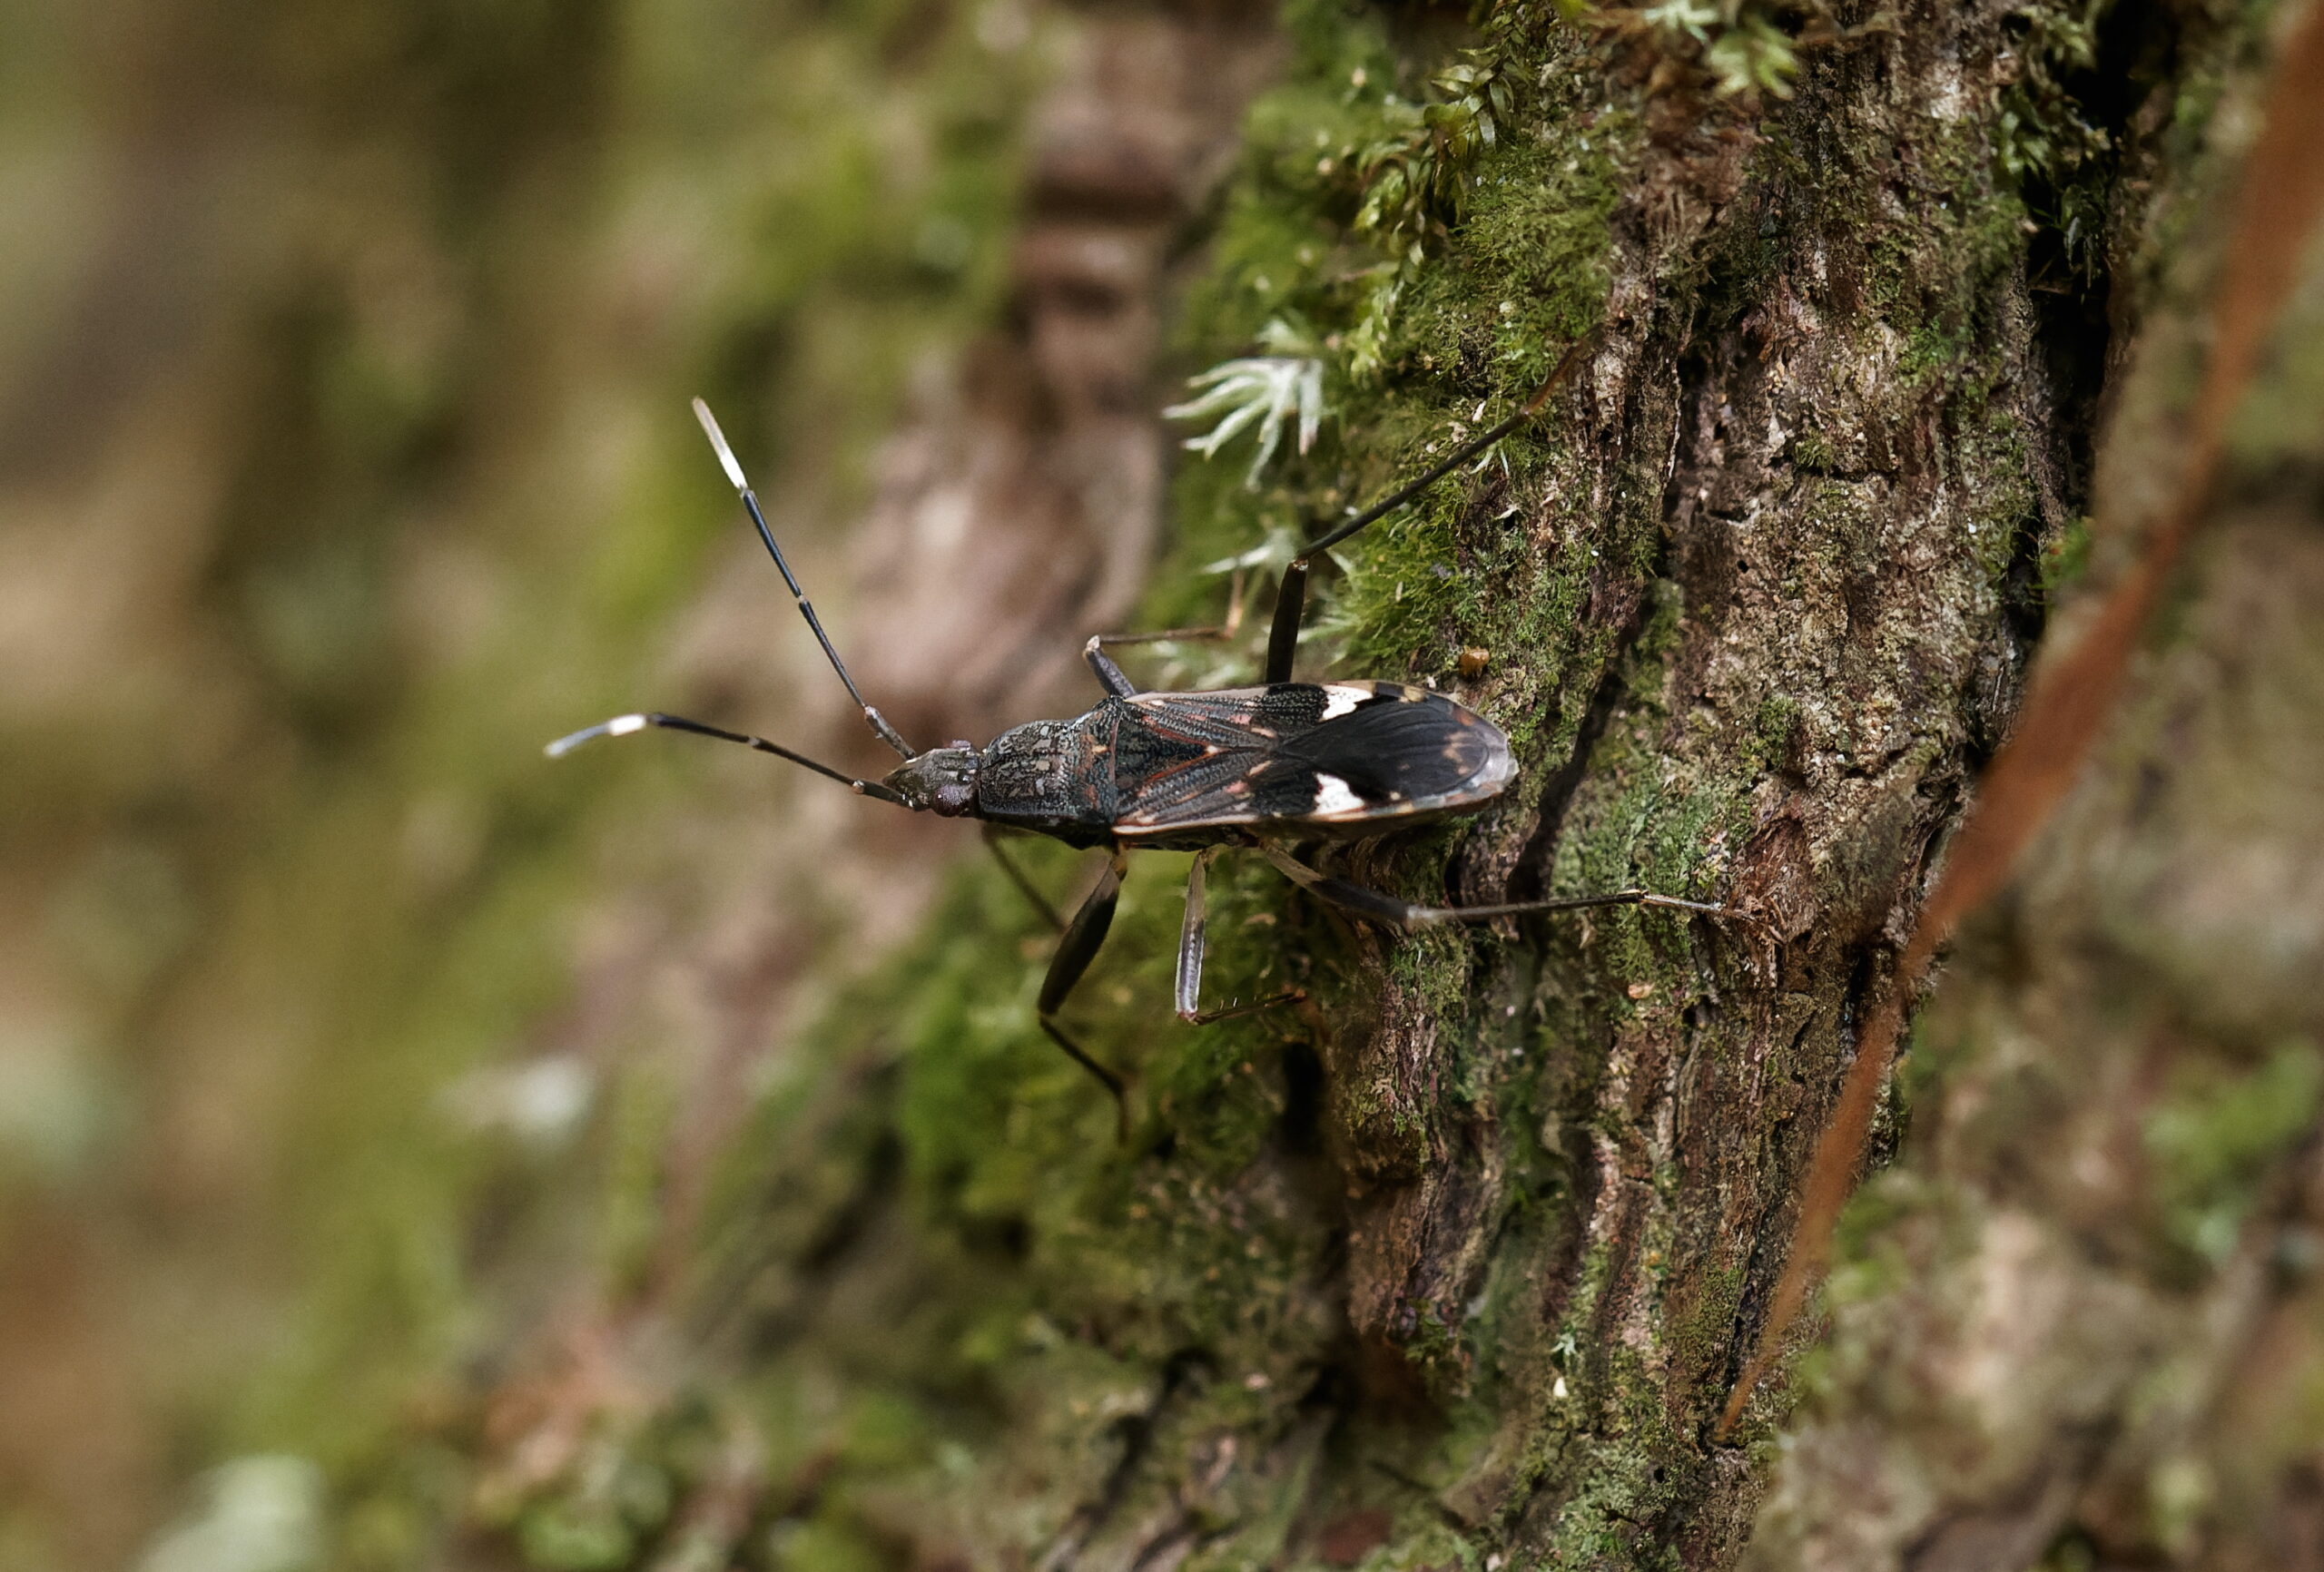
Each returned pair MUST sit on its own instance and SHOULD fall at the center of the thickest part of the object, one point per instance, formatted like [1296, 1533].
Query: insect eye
[954, 797]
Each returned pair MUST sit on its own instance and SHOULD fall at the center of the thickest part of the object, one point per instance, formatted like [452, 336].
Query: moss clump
[2219, 1135]
[1410, 348]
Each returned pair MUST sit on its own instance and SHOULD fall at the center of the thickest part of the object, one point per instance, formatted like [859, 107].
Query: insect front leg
[1190, 953]
[1110, 675]
[1405, 914]
[1075, 951]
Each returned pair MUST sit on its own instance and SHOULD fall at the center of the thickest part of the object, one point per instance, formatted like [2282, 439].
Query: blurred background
[345, 348]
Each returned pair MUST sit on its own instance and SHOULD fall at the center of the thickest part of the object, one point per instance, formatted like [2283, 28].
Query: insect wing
[1404, 750]
[1322, 754]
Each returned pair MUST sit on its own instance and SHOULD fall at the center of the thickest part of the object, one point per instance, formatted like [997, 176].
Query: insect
[1265, 768]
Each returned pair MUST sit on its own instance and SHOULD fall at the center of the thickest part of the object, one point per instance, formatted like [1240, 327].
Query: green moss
[822, 1546]
[2220, 1133]
[1521, 276]
[1813, 451]
[1625, 1478]
[2047, 140]
[2065, 557]
[1776, 726]
[1706, 1334]
[1166, 1251]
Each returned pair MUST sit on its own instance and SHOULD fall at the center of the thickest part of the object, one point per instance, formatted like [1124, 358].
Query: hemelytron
[1262, 768]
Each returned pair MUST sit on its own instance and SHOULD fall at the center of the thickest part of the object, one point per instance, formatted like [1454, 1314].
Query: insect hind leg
[1410, 916]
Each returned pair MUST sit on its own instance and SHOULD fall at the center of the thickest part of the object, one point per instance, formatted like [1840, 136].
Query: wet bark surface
[2060, 1335]
[2063, 1319]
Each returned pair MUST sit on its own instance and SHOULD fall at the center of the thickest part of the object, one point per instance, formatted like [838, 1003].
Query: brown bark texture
[1768, 599]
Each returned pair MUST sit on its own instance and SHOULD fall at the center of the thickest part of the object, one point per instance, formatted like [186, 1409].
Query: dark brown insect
[1262, 768]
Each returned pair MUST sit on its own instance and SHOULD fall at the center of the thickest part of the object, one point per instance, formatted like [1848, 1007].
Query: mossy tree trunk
[1457, 1262]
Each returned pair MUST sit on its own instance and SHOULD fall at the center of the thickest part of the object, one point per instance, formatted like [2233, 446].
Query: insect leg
[1405, 914]
[1031, 892]
[1190, 954]
[1111, 674]
[1291, 600]
[1191, 939]
[1282, 634]
[1075, 951]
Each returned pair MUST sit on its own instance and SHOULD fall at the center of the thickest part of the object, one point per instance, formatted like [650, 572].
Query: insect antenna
[1460, 455]
[625, 725]
[888, 734]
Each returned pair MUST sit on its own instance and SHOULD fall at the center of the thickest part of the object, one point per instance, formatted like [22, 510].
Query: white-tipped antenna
[718, 444]
[619, 726]
[726, 460]
[623, 725]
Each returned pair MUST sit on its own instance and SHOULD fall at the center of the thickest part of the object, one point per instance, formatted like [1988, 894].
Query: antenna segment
[625, 725]
[1460, 455]
[726, 461]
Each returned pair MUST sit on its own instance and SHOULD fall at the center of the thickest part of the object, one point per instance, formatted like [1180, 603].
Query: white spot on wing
[1338, 700]
[1333, 795]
